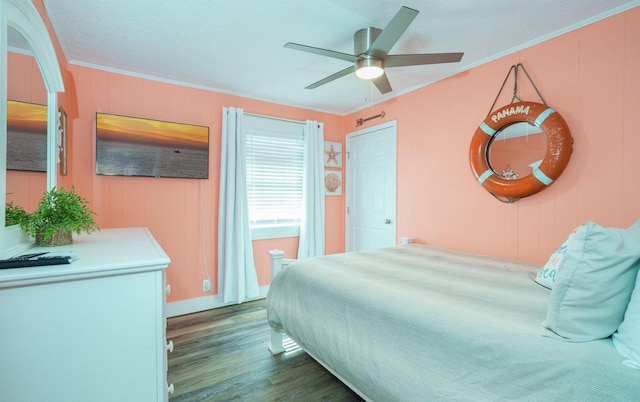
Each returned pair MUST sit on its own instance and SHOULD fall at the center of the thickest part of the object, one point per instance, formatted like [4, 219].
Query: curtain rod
[275, 118]
[360, 121]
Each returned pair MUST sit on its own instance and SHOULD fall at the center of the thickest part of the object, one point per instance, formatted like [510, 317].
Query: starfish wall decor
[333, 150]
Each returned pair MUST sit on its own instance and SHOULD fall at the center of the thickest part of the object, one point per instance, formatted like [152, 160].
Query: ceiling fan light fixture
[370, 55]
[369, 68]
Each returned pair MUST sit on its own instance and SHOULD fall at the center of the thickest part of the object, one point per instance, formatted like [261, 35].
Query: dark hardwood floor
[222, 355]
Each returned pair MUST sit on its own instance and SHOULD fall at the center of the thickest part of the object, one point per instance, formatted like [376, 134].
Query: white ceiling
[236, 46]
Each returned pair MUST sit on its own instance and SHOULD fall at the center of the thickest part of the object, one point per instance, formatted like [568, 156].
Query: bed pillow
[547, 274]
[627, 338]
[593, 283]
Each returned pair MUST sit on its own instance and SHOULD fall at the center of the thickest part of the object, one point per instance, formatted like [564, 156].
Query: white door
[371, 188]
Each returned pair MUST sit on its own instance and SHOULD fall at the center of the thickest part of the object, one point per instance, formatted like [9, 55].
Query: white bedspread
[416, 323]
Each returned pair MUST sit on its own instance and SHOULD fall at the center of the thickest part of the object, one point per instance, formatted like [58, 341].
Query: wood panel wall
[590, 76]
[181, 213]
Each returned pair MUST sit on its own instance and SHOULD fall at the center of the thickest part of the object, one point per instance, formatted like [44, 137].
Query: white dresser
[89, 331]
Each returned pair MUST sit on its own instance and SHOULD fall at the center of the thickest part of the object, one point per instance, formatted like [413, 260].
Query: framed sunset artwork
[132, 146]
[26, 136]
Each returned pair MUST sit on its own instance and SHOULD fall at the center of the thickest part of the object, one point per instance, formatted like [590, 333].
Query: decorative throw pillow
[627, 338]
[547, 274]
[593, 283]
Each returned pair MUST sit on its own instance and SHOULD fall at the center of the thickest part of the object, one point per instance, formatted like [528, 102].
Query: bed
[418, 323]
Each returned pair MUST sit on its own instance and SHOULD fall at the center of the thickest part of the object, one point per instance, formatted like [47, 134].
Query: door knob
[387, 221]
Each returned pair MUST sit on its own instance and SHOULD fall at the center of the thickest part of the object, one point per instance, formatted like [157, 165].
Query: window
[274, 158]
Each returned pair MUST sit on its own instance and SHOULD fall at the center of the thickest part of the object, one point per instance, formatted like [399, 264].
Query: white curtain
[237, 278]
[311, 243]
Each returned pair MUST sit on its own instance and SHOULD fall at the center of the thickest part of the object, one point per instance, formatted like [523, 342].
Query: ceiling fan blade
[332, 77]
[323, 52]
[382, 83]
[400, 60]
[392, 32]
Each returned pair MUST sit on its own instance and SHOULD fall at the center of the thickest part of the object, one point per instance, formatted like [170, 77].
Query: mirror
[21, 21]
[516, 150]
[27, 126]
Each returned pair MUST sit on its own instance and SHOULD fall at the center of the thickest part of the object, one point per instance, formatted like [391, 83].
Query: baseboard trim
[189, 306]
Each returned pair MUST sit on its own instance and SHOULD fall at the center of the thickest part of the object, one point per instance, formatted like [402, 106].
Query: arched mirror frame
[22, 16]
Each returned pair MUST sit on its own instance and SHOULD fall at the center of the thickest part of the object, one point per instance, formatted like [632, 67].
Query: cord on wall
[206, 286]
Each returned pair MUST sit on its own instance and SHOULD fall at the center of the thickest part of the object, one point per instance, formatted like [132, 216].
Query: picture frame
[333, 154]
[333, 182]
[61, 140]
[134, 146]
[26, 136]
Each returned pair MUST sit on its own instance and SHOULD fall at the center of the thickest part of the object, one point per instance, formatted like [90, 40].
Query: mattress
[417, 323]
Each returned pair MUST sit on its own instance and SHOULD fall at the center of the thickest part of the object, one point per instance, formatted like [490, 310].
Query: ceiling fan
[371, 47]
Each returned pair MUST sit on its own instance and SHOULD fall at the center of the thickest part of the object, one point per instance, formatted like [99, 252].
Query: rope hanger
[514, 68]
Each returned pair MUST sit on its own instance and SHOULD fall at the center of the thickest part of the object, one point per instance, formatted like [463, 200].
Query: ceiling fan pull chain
[515, 68]
[371, 93]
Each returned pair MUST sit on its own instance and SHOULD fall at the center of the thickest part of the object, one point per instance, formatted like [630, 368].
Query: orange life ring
[556, 158]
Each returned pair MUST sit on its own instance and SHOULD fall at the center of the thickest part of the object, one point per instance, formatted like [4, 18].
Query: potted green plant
[14, 214]
[60, 213]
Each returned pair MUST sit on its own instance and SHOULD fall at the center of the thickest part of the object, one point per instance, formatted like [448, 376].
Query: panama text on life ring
[556, 158]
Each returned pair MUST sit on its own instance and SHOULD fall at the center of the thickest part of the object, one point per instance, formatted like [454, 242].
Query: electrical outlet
[206, 285]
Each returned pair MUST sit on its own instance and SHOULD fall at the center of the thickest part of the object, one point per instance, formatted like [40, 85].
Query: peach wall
[591, 77]
[181, 213]
[177, 211]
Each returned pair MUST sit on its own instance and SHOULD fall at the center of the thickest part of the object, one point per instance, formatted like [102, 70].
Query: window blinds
[274, 157]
